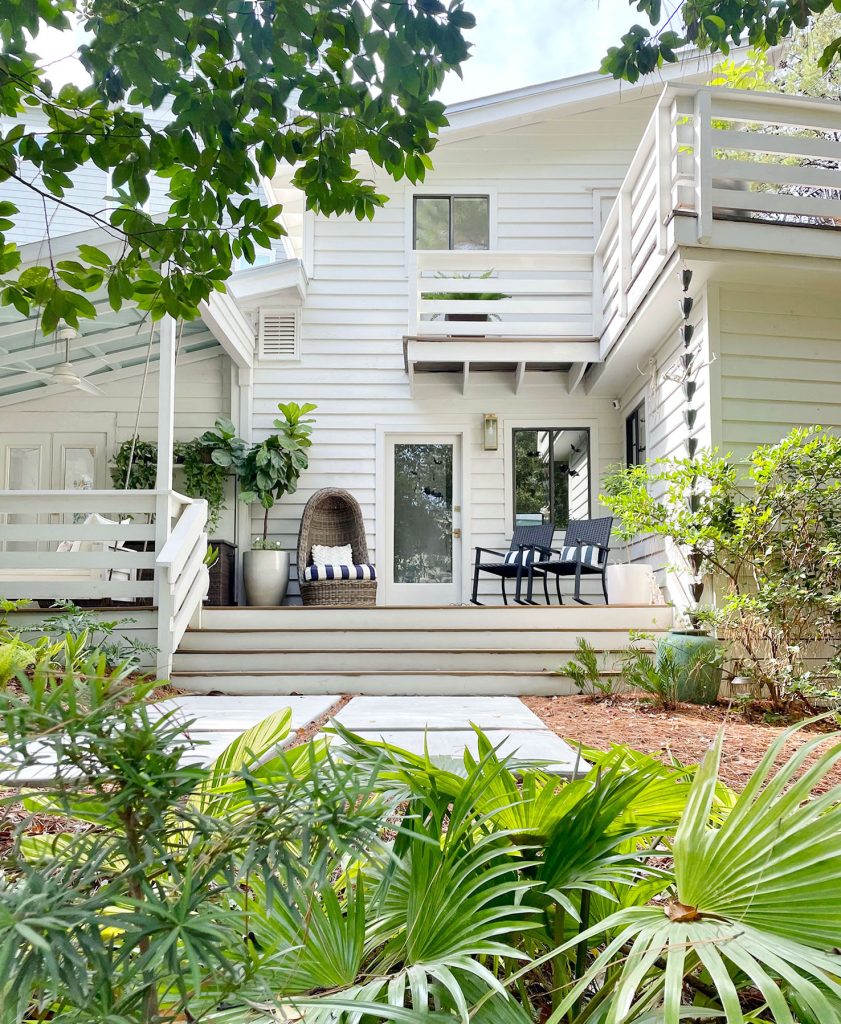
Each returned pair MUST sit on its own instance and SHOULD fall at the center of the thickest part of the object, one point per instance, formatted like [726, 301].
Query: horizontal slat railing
[765, 159]
[501, 294]
[182, 578]
[49, 552]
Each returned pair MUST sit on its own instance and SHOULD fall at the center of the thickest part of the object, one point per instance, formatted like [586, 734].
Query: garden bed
[683, 733]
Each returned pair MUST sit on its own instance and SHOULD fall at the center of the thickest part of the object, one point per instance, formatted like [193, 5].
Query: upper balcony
[719, 169]
[716, 169]
[500, 309]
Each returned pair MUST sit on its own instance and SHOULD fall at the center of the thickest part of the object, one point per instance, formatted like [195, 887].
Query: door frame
[382, 546]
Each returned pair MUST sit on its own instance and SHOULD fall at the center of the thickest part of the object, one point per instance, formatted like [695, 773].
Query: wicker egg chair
[333, 517]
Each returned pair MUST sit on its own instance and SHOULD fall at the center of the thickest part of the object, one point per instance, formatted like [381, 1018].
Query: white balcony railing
[108, 546]
[712, 165]
[501, 294]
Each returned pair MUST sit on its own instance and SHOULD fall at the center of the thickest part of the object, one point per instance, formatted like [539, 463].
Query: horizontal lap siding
[666, 430]
[780, 364]
[356, 314]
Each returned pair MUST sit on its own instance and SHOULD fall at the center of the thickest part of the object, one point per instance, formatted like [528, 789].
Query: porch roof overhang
[114, 345]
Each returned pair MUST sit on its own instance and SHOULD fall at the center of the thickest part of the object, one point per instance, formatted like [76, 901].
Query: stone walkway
[442, 725]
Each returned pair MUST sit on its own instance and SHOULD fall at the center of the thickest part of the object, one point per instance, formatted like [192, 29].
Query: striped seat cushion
[589, 555]
[514, 557]
[339, 572]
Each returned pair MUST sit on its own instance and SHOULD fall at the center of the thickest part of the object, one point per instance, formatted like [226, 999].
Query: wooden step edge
[576, 630]
[354, 673]
[389, 651]
[380, 608]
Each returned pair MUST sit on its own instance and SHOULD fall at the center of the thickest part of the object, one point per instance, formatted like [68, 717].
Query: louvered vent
[278, 336]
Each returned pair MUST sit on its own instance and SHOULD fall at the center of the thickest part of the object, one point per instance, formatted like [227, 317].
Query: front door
[424, 547]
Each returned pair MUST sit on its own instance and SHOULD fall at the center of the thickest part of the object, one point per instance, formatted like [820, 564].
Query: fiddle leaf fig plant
[271, 467]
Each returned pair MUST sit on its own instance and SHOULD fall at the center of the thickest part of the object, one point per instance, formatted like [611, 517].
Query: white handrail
[181, 578]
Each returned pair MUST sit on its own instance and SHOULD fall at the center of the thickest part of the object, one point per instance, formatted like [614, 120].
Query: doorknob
[456, 533]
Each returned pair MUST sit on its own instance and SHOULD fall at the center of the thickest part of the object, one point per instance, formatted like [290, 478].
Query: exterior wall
[541, 180]
[665, 427]
[778, 365]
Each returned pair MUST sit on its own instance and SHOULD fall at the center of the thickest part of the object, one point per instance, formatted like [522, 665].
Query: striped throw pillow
[339, 572]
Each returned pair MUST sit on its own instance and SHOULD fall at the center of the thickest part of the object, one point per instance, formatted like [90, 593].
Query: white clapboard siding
[357, 312]
[779, 359]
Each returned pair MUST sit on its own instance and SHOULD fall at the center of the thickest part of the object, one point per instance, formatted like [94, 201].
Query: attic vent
[278, 334]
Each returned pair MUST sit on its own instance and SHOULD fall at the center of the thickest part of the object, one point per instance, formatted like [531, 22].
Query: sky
[521, 42]
[516, 43]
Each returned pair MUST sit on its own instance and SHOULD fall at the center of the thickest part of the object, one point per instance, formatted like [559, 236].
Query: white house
[505, 332]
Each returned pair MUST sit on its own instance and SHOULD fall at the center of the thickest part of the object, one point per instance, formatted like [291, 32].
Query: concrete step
[576, 618]
[365, 681]
[374, 659]
[563, 642]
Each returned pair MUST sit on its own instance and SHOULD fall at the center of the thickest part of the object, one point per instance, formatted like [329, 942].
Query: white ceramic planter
[629, 584]
[265, 575]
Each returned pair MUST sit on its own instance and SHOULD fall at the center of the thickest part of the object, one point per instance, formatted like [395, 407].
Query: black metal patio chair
[584, 553]
[527, 543]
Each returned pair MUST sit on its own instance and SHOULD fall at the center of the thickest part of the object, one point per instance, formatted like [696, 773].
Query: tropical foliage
[249, 86]
[369, 884]
[769, 533]
[715, 26]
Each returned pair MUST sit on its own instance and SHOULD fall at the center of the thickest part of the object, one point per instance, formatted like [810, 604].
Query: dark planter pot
[467, 318]
[698, 684]
[222, 575]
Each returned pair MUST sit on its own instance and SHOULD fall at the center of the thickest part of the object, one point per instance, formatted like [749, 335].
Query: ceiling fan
[65, 373]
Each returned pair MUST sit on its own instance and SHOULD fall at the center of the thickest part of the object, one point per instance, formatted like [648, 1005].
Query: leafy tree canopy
[715, 25]
[210, 95]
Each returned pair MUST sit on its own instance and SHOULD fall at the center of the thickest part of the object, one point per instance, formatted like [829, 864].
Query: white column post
[163, 486]
[245, 429]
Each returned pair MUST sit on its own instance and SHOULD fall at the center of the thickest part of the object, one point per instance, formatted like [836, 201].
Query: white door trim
[381, 541]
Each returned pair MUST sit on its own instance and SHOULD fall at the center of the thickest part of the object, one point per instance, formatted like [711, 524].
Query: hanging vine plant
[203, 478]
[135, 465]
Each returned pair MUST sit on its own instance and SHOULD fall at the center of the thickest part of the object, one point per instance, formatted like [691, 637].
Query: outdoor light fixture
[490, 432]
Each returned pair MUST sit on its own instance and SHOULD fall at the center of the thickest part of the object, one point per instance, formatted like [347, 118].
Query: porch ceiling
[114, 344]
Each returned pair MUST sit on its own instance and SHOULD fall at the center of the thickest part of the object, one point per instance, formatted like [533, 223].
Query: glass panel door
[25, 468]
[425, 521]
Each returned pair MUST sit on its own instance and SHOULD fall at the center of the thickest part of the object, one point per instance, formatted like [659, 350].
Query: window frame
[450, 196]
[578, 428]
[635, 453]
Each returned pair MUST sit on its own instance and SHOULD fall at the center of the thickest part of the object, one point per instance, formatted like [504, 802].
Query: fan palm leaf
[758, 900]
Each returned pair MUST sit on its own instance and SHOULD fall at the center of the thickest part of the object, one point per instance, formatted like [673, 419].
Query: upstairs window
[551, 475]
[635, 438]
[452, 222]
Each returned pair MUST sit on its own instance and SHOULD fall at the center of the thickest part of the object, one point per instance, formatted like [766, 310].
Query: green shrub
[585, 673]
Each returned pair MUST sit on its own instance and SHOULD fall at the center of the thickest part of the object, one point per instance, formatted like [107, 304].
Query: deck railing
[501, 294]
[715, 158]
[108, 546]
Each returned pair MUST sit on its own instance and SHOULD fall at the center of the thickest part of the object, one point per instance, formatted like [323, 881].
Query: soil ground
[683, 733]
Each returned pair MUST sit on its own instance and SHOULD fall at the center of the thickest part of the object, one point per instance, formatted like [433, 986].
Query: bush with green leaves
[586, 673]
[769, 534]
[369, 884]
[135, 465]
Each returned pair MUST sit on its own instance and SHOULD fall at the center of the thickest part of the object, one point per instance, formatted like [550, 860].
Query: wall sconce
[490, 432]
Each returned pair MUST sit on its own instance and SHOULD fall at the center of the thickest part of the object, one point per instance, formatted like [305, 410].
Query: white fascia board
[230, 328]
[250, 286]
[580, 92]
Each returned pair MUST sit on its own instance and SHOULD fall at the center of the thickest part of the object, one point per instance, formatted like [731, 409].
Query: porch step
[381, 683]
[387, 651]
[395, 658]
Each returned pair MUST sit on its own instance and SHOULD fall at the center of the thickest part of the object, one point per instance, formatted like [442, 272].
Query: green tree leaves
[712, 25]
[212, 99]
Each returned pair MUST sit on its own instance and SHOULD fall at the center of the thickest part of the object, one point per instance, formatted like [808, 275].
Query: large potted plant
[271, 469]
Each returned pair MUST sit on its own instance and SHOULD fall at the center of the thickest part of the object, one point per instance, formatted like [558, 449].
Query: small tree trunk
[265, 525]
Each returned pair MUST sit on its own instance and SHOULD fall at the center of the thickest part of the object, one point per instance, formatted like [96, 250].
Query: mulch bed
[684, 733]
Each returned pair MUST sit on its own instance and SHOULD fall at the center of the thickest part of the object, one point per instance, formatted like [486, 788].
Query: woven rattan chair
[333, 517]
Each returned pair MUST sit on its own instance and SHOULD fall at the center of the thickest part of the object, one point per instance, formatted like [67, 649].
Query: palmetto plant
[353, 883]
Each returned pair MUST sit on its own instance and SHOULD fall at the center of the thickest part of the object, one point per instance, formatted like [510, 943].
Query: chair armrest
[490, 551]
[590, 544]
